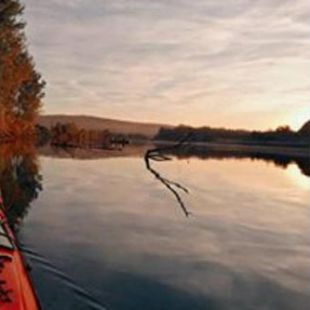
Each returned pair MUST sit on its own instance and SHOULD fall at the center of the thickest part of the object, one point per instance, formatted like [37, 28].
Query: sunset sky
[232, 63]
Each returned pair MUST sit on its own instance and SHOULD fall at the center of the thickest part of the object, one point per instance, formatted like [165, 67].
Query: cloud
[201, 62]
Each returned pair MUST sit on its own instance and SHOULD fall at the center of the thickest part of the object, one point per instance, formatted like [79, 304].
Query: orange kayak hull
[16, 290]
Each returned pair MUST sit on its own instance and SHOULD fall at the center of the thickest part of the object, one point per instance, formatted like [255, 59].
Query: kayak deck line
[16, 289]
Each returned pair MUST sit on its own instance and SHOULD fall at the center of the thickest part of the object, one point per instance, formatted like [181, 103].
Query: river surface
[106, 233]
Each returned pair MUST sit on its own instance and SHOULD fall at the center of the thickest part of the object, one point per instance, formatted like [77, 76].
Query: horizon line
[165, 124]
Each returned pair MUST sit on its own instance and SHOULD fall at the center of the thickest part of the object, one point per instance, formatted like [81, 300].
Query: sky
[222, 63]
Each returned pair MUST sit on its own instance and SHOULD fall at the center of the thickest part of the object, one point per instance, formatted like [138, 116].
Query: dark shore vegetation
[282, 136]
[282, 140]
[70, 135]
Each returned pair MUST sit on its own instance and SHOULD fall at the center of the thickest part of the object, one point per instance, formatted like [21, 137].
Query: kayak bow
[16, 290]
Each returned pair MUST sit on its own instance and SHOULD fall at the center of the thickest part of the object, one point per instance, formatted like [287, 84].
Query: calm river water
[105, 233]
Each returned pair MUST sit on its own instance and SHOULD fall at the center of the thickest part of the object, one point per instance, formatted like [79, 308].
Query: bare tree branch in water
[157, 154]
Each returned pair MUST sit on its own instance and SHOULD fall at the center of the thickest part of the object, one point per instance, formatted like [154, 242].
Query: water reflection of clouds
[244, 245]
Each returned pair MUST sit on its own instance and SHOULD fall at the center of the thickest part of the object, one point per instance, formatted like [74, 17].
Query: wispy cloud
[237, 63]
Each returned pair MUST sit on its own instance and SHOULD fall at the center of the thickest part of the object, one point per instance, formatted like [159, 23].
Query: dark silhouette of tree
[305, 130]
[282, 135]
[21, 86]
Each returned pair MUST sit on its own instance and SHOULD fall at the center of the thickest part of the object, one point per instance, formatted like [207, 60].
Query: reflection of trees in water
[20, 180]
[208, 151]
[304, 166]
[186, 150]
[203, 152]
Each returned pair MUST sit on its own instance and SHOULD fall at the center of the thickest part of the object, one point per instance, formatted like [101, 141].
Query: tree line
[282, 135]
[21, 86]
[70, 135]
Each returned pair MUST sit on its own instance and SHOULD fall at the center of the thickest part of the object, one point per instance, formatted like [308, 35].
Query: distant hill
[305, 129]
[97, 123]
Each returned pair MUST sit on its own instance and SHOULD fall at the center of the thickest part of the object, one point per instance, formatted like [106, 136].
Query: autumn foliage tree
[21, 86]
[69, 134]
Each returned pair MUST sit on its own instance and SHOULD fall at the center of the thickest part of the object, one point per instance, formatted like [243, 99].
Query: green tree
[21, 86]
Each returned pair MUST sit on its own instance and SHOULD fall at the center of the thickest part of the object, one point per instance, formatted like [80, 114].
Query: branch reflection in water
[158, 155]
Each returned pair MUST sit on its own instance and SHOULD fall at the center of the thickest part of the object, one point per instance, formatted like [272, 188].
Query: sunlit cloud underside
[233, 63]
